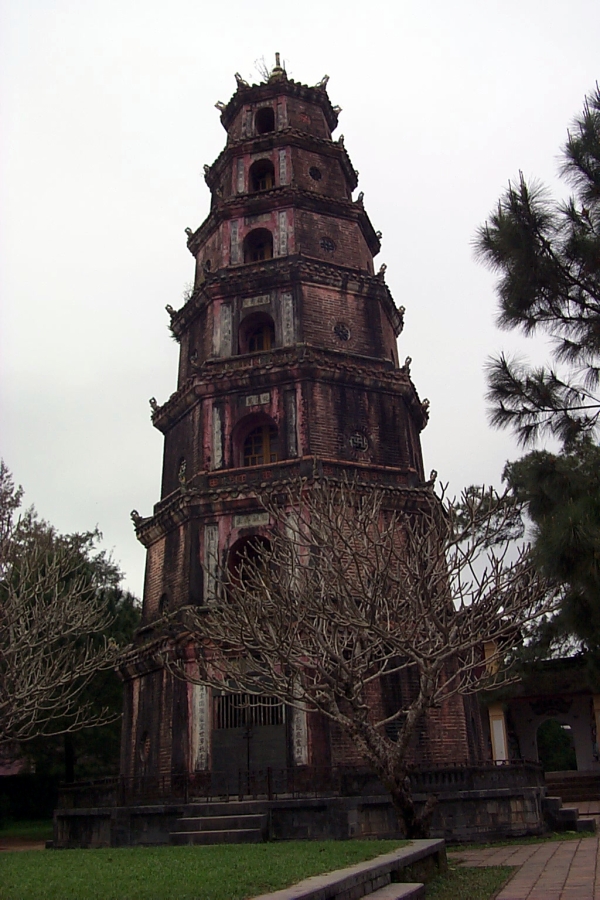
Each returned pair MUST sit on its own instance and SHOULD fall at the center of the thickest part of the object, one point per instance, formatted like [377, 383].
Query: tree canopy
[57, 603]
[548, 255]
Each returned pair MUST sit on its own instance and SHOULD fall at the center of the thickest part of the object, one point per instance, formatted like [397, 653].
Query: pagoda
[288, 364]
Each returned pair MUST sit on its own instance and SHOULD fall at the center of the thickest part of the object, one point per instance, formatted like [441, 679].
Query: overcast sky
[107, 119]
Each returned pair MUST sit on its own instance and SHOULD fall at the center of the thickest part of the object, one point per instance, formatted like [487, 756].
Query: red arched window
[262, 175]
[262, 337]
[258, 245]
[261, 445]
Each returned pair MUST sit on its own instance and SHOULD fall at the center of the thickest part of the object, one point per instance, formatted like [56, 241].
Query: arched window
[256, 333]
[247, 550]
[261, 445]
[262, 175]
[262, 337]
[264, 121]
[258, 245]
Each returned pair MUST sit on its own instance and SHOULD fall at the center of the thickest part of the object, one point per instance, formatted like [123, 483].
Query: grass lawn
[30, 830]
[469, 883]
[221, 872]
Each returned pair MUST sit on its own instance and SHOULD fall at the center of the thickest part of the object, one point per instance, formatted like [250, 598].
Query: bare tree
[351, 586]
[52, 615]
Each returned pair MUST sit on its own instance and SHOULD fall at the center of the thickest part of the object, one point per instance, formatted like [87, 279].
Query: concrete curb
[363, 878]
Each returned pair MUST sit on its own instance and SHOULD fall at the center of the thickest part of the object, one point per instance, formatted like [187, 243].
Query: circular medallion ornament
[315, 173]
[341, 331]
[359, 441]
[327, 244]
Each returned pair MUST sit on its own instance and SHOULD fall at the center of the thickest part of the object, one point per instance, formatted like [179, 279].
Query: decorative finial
[153, 404]
[206, 168]
[220, 105]
[378, 235]
[337, 110]
[382, 269]
[278, 71]
[323, 82]
[406, 365]
[432, 477]
[341, 140]
[170, 310]
[360, 197]
[135, 517]
[241, 82]
[425, 404]
[189, 232]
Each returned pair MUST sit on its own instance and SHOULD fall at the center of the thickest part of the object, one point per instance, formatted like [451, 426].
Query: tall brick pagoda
[288, 363]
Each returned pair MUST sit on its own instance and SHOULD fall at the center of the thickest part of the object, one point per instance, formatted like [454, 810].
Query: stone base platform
[460, 816]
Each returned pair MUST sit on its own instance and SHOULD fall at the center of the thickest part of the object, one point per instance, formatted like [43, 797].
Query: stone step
[219, 823]
[586, 824]
[398, 892]
[231, 836]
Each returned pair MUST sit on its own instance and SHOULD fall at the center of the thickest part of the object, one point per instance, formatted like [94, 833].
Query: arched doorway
[556, 747]
[249, 730]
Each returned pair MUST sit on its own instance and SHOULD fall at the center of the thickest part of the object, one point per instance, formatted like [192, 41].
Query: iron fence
[279, 783]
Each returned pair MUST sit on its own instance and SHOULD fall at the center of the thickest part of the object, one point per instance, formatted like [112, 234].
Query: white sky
[108, 116]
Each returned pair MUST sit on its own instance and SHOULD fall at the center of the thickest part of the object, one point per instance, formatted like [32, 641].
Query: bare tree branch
[51, 622]
[354, 586]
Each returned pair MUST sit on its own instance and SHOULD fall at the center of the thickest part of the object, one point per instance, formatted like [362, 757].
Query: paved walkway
[556, 870]
[14, 843]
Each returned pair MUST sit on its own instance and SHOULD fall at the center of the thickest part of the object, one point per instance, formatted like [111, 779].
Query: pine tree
[548, 257]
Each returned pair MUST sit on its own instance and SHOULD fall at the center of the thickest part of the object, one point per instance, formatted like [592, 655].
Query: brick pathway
[556, 870]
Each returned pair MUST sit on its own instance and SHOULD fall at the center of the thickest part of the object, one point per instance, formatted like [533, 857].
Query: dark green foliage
[556, 750]
[93, 751]
[562, 496]
[28, 796]
[63, 618]
[548, 257]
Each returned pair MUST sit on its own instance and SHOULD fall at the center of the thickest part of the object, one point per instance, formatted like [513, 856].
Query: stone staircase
[565, 818]
[239, 828]
[574, 787]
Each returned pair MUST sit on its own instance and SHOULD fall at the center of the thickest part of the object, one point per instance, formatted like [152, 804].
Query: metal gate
[249, 735]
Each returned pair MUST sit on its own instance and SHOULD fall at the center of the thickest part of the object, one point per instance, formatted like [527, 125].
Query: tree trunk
[413, 824]
[69, 745]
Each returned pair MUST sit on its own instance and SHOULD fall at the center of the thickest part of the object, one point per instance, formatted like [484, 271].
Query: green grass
[469, 883]
[40, 830]
[222, 872]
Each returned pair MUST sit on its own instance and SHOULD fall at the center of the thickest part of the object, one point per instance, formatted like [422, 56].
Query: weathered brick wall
[323, 308]
[350, 249]
[337, 412]
[332, 182]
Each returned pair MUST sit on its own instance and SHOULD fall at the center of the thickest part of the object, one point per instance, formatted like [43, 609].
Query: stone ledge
[363, 878]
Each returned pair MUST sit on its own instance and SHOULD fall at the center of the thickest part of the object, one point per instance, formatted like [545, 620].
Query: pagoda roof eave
[254, 93]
